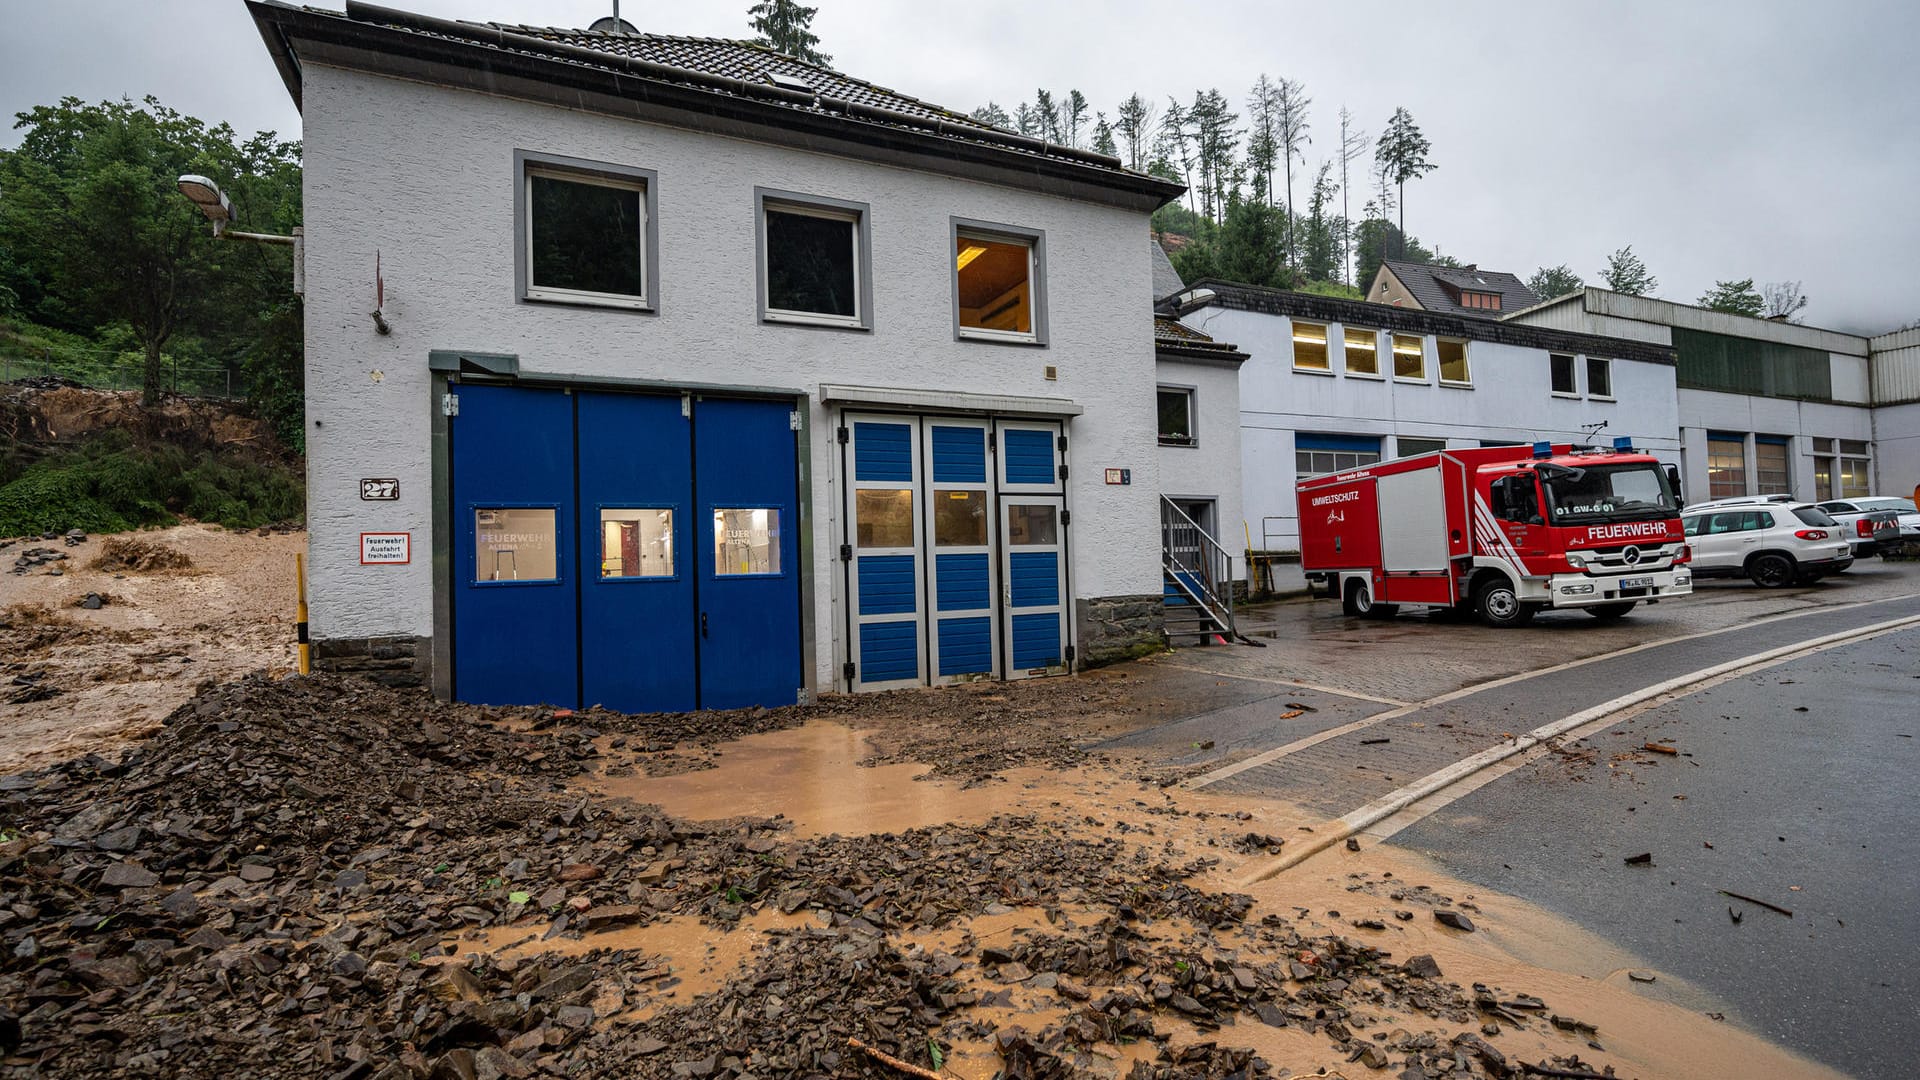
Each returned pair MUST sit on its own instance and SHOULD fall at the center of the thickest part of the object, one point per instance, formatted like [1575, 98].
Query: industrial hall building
[667, 373]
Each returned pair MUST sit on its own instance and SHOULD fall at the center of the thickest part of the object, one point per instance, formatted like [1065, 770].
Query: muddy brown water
[812, 777]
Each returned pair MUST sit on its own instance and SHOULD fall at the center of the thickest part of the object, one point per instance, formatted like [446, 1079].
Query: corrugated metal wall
[1896, 371]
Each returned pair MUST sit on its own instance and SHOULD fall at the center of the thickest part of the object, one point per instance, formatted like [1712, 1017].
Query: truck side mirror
[1673, 481]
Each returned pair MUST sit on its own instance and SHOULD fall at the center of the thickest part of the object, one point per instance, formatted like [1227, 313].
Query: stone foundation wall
[394, 661]
[1116, 628]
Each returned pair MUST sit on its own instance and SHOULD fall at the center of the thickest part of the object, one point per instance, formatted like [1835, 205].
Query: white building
[1768, 406]
[1334, 384]
[713, 377]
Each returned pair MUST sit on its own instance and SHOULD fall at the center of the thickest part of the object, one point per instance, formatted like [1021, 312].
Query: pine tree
[1322, 247]
[1263, 147]
[1103, 136]
[1134, 124]
[785, 25]
[1625, 273]
[1353, 143]
[1025, 122]
[1551, 281]
[1074, 110]
[1734, 298]
[1290, 109]
[1402, 156]
[1177, 147]
[993, 115]
[1216, 139]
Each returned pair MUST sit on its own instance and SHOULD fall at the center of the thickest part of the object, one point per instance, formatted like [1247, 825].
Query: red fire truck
[1501, 531]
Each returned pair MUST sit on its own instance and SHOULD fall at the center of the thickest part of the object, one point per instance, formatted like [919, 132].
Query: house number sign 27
[380, 490]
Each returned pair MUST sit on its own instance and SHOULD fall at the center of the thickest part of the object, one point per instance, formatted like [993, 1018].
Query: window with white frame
[1409, 357]
[1363, 351]
[998, 284]
[1599, 377]
[813, 261]
[1564, 373]
[1853, 469]
[586, 233]
[1176, 416]
[1452, 354]
[1310, 347]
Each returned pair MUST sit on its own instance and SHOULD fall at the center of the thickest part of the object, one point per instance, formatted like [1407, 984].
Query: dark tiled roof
[1237, 297]
[1170, 335]
[1429, 285]
[745, 61]
[730, 86]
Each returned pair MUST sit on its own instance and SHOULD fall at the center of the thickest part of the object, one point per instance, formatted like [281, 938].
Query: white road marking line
[1270, 756]
[1289, 683]
[1396, 801]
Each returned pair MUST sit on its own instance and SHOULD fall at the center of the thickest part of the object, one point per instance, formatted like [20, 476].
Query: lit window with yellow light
[1310, 347]
[1453, 361]
[1363, 351]
[1409, 357]
[994, 285]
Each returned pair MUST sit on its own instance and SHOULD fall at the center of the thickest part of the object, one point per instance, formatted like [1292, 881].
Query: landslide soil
[75, 681]
[322, 877]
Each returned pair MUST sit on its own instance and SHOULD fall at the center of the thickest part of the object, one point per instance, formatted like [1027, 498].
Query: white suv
[1776, 544]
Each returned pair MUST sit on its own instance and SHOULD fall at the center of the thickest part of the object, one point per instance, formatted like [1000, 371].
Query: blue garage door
[634, 551]
[959, 520]
[884, 576]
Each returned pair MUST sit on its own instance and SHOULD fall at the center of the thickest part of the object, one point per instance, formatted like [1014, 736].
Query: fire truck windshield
[1607, 493]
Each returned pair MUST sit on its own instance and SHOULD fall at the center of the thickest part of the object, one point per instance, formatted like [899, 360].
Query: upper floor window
[1563, 373]
[1176, 416]
[1310, 347]
[1483, 300]
[1599, 377]
[1453, 361]
[813, 261]
[999, 289]
[1409, 357]
[586, 233]
[1363, 351]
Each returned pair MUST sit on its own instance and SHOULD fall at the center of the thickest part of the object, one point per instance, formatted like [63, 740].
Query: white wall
[1511, 399]
[1896, 441]
[1803, 421]
[424, 175]
[1210, 468]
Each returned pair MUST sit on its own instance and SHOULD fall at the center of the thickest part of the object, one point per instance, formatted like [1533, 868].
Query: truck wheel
[1771, 571]
[1500, 606]
[1359, 601]
[1610, 612]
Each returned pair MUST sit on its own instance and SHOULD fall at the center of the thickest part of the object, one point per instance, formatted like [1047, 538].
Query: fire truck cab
[1502, 532]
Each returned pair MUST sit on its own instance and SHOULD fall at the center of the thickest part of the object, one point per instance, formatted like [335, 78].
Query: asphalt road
[1795, 785]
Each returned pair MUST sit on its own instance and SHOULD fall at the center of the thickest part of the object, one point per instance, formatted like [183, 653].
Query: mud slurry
[325, 878]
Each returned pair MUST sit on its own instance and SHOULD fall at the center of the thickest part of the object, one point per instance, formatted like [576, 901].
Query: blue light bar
[1543, 449]
[1623, 443]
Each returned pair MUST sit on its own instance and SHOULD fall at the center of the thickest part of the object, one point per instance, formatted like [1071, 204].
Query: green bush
[109, 484]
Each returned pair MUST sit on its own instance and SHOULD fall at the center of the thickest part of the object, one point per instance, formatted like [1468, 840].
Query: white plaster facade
[1509, 399]
[1209, 468]
[423, 177]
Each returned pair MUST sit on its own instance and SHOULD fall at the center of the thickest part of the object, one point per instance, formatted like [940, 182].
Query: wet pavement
[1793, 786]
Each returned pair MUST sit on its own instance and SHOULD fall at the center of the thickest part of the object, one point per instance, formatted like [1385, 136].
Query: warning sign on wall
[385, 548]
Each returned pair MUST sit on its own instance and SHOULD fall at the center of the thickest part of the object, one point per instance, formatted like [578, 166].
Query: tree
[1290, 115]
[98, 242]
[1353, 143]
[1025, 121]
[1551, 281]
[1782, 300]
[1074, 112]
[1402, 156]
[1047, 115]
[1215, 138]
[1176, 146]
[1134, 124]
[1263, 145]
[1377, 240]
[1248, 245]
[1103, 136]
[1734, 298]
[993, 115]
[1321, 248]
[1625, 273]
[785, 26]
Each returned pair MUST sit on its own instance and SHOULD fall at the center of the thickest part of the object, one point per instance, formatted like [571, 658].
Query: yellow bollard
[300, 614]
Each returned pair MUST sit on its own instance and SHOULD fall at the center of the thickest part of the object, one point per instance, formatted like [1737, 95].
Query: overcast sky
[1747, 138]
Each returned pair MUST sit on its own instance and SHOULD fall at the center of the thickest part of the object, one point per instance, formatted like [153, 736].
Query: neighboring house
[1768, 406]
[1449, 290]
[1336, 384]
[714, 378]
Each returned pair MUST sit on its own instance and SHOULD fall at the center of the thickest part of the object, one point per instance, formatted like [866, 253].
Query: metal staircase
[1198, 581]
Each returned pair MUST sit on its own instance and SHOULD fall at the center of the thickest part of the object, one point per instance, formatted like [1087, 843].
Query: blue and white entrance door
[884, 580]
[963, 639]
[1033, 548]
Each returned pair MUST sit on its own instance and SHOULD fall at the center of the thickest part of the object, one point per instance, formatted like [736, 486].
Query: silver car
[1773, 543]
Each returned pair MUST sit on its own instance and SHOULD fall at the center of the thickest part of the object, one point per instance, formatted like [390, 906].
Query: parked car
[1774, 543]
[1904, 516]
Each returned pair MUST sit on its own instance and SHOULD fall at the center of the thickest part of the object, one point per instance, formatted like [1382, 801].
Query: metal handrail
[1198, 564]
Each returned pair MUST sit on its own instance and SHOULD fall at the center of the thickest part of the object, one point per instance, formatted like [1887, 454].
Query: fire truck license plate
[1636, 583]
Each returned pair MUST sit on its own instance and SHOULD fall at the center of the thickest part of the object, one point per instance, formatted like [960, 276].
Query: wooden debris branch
[1762, 903]
[892, 1062]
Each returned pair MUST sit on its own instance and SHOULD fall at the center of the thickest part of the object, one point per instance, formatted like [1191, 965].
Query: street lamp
[212, 202]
